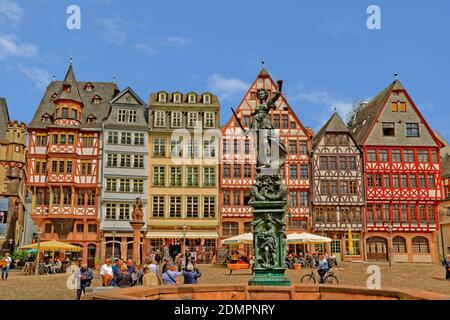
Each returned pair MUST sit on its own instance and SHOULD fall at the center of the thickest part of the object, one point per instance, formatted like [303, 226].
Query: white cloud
[114, 30]
[40, 77]
[10, 46]
[178, 41]
[146, 48]
[226, 87]
[10, 12]
[322, 97]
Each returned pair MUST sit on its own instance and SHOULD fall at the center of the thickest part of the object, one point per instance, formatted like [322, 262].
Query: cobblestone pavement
[402, 276]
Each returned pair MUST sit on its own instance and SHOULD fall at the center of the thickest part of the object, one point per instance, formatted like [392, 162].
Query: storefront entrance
[377, 249]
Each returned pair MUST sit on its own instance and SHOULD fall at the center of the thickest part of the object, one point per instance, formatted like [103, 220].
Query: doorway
[377, 249]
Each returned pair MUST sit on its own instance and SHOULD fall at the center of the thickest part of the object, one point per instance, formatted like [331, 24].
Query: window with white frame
[138, 185]
[175, 207]
[192, 176]
[175, 176]
[159, 176]
[209, 207]
[113, 137]
[139, 139]
[206, 99]
[111, 160]
[177, 98]
[209, 119]
[122, 115]
[125, 185]
[176, 119]
[209, 176]
[110, 213]
[162, 97]
[160, 119]
[111, 185]
[192, 119]
[125, 161]
[124, 211]
[158, 206]
[132, 116]
[191, 98]
[125, 138]
[192, 207]
[176, 149]
[138, 161]
[193, 148]
[159, 147]
[209, 148]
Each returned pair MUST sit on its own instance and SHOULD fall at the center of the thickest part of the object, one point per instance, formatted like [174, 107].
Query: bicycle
[329, 278]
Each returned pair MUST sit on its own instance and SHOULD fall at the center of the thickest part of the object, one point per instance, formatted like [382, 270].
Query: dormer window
[91, 118]
[191, 98]
[67, 88]
[162, 97]
[53, 97]
[88, 87]
[177, 98]
[97, 99]
[207, 99]
[46, 117]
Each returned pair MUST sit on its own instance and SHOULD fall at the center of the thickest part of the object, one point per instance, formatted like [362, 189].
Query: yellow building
[12, 179]
[183, 171]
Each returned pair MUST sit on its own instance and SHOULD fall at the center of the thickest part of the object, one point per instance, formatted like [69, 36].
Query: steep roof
[106, 90]
[4, 117]
[446, 167]
[367, 115]
[446, 148]
[69, 81]
[334, 124]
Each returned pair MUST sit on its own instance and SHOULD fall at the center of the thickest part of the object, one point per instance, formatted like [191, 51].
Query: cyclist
[323, 267]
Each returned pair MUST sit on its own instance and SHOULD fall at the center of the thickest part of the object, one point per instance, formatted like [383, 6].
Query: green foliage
[20, 255]
[98, 261]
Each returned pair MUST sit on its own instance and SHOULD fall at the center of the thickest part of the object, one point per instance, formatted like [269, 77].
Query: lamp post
[38, 235]
[389, 228]
[11, 241]
[184, 241]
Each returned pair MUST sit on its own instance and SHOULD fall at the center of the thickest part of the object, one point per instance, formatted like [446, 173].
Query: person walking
[191, 274]
[85, 277]
[106, 273]
[6, 264]
[447, 267]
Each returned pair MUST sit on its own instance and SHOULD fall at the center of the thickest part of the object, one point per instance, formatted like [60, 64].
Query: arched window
[420, 245]
[230, 229]
[399, 245]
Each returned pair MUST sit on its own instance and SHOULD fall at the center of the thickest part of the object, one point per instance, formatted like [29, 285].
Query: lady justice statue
[268, 195]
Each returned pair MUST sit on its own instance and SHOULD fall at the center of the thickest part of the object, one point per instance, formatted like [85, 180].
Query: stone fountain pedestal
[269, 242]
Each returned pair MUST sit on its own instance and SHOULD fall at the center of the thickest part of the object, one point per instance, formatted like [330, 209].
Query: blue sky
[322, 50]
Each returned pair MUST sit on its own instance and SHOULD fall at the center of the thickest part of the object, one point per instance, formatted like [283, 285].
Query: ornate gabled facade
[12, 179]
[183, 191]
[238, 162]
[124, 174]
[337, 191]
[402, 177]
[64, 167]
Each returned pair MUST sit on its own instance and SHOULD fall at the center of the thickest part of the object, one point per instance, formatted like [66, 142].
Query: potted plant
[97, 262]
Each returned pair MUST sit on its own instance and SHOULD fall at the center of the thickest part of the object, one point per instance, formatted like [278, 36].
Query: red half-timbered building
[402, 177]
[64, 154]
[237, 168]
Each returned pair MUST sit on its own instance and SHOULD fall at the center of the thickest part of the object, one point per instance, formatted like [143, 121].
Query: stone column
[137, 226]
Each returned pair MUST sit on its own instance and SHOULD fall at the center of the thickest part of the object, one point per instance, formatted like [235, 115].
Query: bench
[237, 266]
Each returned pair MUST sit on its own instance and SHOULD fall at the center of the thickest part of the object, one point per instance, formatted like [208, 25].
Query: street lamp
[38, 235]
[11, 245]
[389, 228]
[184, 240]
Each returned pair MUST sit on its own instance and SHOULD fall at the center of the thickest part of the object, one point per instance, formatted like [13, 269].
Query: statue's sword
[238, 121]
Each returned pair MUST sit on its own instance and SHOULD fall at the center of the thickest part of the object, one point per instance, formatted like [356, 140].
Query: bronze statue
[137, 214]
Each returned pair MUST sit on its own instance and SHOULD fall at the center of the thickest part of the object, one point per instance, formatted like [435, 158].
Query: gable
[128, 98]
[400, 121]
[249, 103]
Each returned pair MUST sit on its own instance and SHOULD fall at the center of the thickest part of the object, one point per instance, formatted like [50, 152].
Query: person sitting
[323, 267]
[191, 274]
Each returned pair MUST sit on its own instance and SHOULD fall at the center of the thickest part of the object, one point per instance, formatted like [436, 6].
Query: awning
[179, 234]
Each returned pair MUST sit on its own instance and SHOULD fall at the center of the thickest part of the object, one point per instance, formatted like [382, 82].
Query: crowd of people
[309, 260]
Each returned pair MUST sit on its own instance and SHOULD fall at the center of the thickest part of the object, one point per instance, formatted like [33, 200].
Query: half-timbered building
[237, 170]
[337, 191]
[64, 162]
[402, 177]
